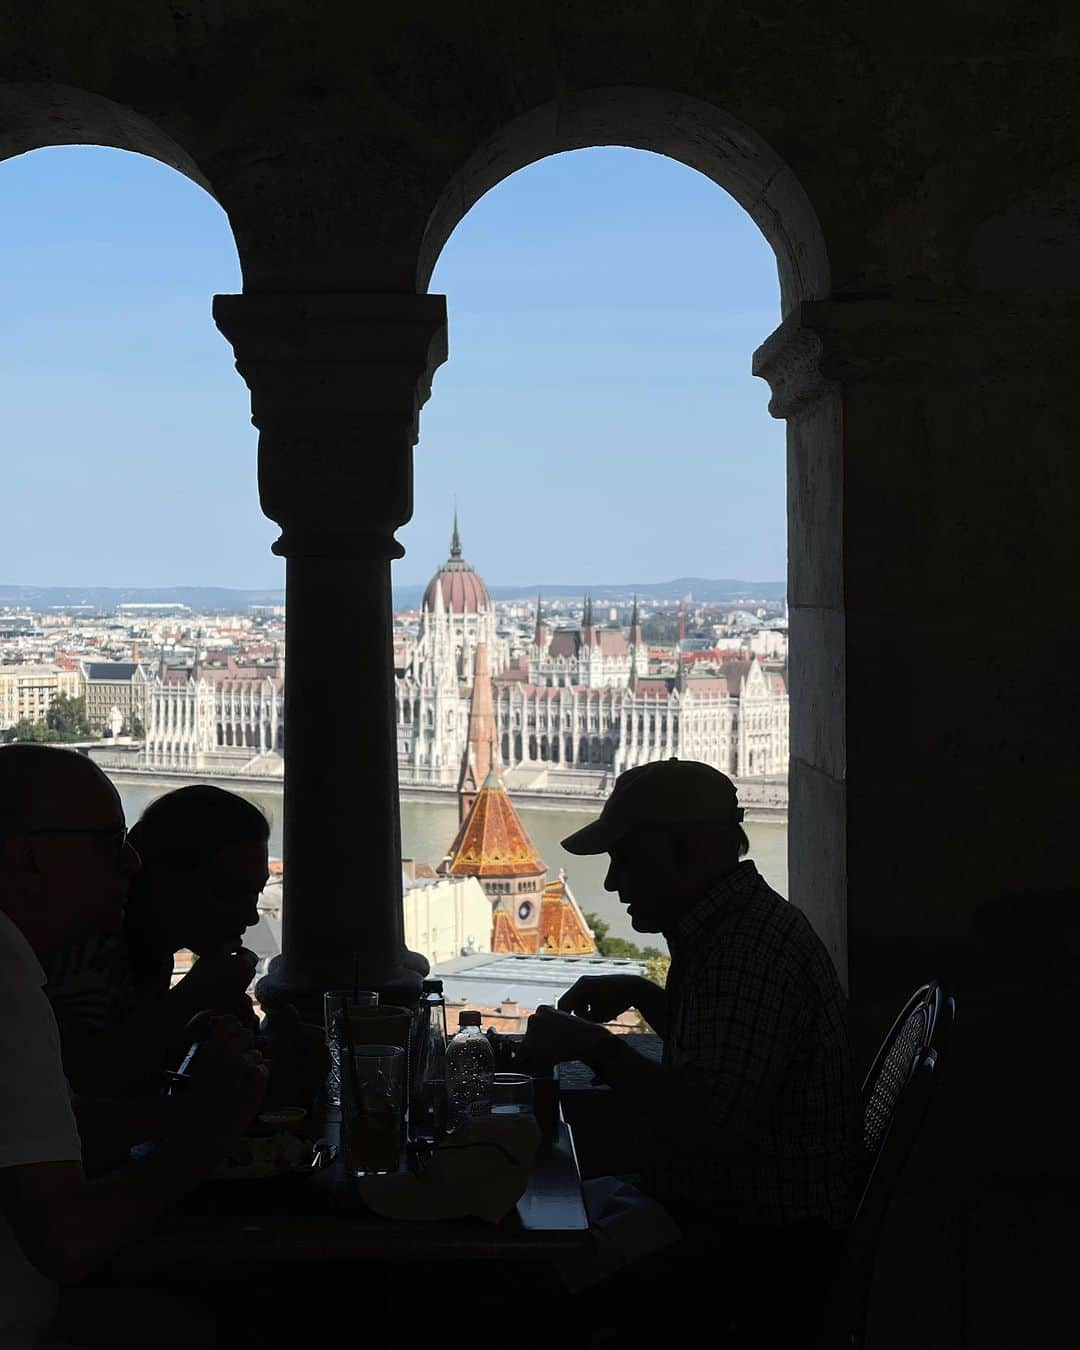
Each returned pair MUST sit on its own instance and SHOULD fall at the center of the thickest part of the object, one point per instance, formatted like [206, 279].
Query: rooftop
[490, 978]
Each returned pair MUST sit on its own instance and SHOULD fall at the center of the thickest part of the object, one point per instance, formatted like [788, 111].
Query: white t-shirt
[37, 1124]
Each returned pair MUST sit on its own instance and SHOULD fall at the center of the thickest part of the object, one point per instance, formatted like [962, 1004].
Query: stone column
[337, 382]
[932, 527]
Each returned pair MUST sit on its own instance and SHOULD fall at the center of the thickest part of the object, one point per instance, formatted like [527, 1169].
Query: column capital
[826, 344]
[337, 381]
[789, 361]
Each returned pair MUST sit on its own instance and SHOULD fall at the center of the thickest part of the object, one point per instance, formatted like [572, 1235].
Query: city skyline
[597, 410]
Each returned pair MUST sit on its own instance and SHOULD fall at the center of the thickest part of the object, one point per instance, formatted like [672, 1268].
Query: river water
[428, 829]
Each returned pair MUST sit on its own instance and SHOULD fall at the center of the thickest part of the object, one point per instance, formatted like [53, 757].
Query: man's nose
[611, 881]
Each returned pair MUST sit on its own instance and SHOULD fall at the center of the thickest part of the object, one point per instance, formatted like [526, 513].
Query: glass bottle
[429, 1101]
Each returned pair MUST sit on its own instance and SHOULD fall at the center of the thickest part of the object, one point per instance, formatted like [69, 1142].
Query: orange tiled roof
[562, 924]
[492, 842]
[506, 937]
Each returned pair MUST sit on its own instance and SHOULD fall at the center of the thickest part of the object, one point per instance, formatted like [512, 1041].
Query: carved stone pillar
[932, 537]
[337, 382]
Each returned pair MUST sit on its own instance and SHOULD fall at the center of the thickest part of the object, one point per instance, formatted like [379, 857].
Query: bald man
[65, 865]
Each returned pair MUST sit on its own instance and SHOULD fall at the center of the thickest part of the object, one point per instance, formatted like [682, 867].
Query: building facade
[576, 701]
[116, 694]
[227, 717]
[445, 917]
[27, 691]
[432, 690]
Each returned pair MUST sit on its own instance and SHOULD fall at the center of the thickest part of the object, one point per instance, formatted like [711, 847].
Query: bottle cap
[433, 986]
[468, 1019]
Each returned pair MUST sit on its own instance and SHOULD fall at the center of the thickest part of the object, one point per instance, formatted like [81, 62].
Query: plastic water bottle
[470, 1068]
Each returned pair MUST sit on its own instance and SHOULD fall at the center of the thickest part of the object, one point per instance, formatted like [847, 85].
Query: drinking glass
[512, 1095]
[372, 1098]
[336, 1005]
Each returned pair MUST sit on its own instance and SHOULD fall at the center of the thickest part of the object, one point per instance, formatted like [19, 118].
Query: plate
[271, 1157]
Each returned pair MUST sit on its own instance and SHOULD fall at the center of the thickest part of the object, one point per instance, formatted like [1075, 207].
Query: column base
[400, 985]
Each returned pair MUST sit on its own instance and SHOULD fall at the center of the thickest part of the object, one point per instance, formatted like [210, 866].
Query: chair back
[896, 1096]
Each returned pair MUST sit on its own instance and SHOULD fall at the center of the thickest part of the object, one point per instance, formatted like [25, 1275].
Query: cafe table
[320, 1218]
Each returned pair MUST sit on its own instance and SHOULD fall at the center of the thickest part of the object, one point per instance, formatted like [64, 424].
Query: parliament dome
[463, 591]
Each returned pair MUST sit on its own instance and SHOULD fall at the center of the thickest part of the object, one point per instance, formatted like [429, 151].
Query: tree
[36, 732]
[133, 726]
[607, 945]
[67, 717]
[656, 969]
[660, 630]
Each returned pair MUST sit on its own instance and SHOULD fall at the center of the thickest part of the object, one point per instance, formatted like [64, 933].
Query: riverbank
[764, 802]
[428, 828]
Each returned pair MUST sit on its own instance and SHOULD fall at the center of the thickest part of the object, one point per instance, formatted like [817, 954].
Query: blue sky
[597, 419]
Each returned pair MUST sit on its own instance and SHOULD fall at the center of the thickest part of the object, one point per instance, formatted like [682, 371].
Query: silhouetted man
[65, 866]
[754, 1104]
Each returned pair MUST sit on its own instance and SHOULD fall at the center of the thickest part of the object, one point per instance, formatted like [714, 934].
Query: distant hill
[223, 600]
[701, 588]
[202, 599]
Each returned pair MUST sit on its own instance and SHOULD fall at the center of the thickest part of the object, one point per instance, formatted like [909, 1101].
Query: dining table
[320, 1217]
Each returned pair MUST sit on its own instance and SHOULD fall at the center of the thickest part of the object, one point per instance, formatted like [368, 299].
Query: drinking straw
[347, 1056]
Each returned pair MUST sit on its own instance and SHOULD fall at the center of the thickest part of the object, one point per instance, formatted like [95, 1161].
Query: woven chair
[807, 1285]
[896, 1097]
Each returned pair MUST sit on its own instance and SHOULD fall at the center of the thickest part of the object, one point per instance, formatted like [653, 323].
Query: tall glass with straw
[336, 1006]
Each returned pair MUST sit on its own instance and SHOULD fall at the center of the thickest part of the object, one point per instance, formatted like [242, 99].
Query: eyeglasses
[117, 838]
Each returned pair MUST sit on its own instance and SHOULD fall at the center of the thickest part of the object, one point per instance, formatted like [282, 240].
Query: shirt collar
[721, 902]
[14, 947]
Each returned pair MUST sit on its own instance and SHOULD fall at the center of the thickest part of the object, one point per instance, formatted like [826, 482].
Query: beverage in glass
[372, 1098]
[512, 1094]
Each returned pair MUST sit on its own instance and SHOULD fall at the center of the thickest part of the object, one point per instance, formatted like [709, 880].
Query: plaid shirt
[756, 1018]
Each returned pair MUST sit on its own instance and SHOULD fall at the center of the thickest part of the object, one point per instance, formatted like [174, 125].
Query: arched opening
[733, 157]
[134, 433]
[686, 129]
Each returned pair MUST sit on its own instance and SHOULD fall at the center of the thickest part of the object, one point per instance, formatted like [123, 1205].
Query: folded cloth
[480, 1171]
[626, 1225]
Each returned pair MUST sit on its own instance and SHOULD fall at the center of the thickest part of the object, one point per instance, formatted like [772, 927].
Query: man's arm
[601, 998]
[673, 1102]
[734, 1054]
[111, 1060]
[68, 1226]
[110, 1126]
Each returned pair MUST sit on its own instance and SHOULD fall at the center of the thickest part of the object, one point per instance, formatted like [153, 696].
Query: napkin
[480, 1171]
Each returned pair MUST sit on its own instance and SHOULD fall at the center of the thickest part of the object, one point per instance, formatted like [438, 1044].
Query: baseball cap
[670, 791]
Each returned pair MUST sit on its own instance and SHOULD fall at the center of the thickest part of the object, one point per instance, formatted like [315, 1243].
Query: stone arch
[687, 129]
[704, 137]
[35, 116]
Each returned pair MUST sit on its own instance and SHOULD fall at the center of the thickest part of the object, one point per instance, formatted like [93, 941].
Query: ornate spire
[455, 539]
[586, 618]
[538, 632]
[639, 656]
[480, 758]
